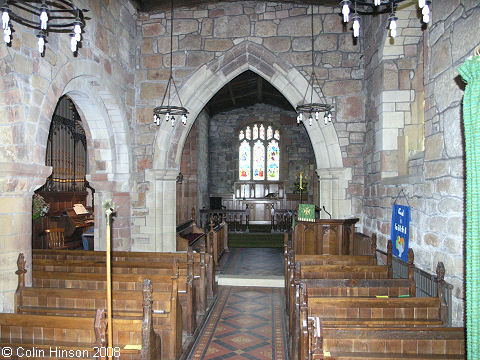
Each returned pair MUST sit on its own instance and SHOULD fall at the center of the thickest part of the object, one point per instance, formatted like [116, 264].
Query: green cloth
[470, 72]
[306, 212]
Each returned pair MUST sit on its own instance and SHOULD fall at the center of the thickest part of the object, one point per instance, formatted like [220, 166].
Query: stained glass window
[255, 132]
[262, 132]
[269, 133]
[244, 161]
[259, 153]
[273, 161]
[259, 161]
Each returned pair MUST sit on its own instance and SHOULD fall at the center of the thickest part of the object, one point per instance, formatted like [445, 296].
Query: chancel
[239, 179]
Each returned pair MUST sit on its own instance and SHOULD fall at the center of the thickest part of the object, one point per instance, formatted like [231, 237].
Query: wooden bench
[354, 319]
[186, 290]
[191, 266]
[189, 234]
[387, 342]
[217, 240]
[84, 335]
[359, 287]
[38, 334]
[389, 316]
[132, 311]
[203, 264]
[344, 271]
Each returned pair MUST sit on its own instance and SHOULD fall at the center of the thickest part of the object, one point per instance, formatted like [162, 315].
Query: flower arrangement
[39, 207]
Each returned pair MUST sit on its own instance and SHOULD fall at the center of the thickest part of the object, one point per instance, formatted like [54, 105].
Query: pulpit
[324, 236]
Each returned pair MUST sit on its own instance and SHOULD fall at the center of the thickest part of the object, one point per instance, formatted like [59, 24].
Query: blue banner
[400, 231]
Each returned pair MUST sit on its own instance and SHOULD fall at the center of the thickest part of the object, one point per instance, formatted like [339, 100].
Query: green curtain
[470, 71]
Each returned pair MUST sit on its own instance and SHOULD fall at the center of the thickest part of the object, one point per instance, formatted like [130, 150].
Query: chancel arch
[195, 94]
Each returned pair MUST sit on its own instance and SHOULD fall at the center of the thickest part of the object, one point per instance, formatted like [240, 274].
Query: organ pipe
[66, 149]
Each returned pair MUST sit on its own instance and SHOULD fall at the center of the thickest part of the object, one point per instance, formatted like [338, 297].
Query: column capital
[162, 174]
[334, 173]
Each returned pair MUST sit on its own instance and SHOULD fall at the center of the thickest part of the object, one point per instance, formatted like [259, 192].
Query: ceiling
[246, 89]
[163, 5]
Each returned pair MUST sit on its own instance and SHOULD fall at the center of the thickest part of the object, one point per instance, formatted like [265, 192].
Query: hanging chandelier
[310, 109]
[58, 16]
[166, 108]
[379, 7]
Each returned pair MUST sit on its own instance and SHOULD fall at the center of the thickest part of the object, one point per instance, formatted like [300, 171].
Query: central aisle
[245, 323]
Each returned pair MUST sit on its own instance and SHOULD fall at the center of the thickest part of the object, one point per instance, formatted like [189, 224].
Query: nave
[247, 321]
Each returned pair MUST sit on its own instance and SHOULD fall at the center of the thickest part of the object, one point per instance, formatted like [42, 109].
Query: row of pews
[348, 307]
[159, 301]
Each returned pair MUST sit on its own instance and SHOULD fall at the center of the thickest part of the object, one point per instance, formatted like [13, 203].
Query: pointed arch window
[259, 153]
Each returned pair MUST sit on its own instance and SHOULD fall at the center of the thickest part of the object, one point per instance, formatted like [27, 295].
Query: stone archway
[104, 121]
[109, 156]
[195, 93]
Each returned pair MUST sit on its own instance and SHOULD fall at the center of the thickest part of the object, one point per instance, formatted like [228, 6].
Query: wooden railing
[237, 220]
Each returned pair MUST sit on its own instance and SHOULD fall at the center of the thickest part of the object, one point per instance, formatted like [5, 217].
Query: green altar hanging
[470, 72]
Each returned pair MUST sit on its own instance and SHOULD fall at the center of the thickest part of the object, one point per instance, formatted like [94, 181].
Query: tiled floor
[255, 261]
[246, 322]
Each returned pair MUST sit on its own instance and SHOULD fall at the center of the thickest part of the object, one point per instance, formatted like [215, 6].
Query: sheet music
[80, 209]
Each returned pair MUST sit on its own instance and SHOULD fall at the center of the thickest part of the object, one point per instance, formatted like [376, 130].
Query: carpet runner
[245, 323]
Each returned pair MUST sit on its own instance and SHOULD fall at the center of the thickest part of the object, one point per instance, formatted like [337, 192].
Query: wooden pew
[186, 289]
[203, 267]
[405, 320]
[35, 335]
[217, 240]
[388, 342]
[189, 234]
[132, 322]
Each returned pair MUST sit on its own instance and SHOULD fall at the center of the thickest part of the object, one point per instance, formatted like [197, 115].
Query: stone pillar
[161, 202]
[333, 186]
[17, 184]
[121, 219]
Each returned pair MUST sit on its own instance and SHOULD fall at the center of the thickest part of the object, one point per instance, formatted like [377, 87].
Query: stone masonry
[435, 180]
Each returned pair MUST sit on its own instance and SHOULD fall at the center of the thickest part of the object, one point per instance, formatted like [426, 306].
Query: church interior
[219, 179]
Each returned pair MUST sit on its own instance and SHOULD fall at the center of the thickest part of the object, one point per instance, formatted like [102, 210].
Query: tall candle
[301, 177]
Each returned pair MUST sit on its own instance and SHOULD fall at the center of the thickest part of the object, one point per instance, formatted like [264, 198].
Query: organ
[67, 155]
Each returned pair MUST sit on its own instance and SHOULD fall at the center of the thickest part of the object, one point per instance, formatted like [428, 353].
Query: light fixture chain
[171, 39]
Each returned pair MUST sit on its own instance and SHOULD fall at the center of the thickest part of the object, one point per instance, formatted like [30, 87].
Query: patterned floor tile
[244, 324]
[255, 261]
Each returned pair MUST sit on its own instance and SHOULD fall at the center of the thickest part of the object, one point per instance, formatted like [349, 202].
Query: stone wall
[100, 81]
[435, 180]
[296, 149]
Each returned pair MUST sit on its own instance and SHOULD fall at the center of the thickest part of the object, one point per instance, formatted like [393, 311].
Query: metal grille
[426, 285]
